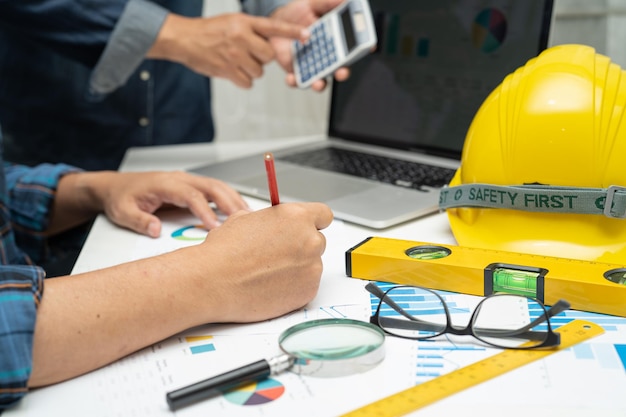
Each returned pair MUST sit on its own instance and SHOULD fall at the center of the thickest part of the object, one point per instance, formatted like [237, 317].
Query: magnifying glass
[322, 348]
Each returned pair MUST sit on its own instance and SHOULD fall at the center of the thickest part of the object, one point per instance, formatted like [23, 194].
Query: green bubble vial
[513, 281]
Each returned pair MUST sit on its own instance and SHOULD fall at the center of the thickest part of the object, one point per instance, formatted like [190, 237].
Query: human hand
[268, 262]
[130, 199]
[256, 266]
[303, 12]
[233, 46]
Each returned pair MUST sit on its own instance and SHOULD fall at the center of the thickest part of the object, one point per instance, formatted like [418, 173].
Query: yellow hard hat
[543, 168]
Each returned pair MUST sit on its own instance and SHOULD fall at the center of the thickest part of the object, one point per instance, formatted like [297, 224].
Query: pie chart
[256, 393]
[190, 233]
[489, 30]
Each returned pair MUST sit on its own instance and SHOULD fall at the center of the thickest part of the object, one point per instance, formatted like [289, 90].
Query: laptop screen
[436, 62]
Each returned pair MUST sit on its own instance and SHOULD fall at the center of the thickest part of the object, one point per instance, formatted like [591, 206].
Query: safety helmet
[543, 167]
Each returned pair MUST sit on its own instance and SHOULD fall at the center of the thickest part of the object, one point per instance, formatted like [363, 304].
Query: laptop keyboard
[398, 172]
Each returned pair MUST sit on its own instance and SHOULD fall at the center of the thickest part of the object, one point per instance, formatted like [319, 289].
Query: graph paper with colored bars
[588, 286]
[438, 373]
[435, 357]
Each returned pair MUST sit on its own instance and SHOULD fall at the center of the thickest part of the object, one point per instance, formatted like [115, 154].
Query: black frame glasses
[407, 326]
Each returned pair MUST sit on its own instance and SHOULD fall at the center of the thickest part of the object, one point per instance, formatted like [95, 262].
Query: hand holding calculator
[339, 38]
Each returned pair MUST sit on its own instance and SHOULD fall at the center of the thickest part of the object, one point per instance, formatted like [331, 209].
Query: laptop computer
[409, 103]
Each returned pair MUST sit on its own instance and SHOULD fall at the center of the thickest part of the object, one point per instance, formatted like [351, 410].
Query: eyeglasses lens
[505, 321]
[412, 312]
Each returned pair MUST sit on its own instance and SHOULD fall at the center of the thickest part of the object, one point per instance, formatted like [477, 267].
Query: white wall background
[272, 110]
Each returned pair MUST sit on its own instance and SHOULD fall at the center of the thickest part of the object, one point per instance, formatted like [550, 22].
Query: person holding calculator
[140, 77]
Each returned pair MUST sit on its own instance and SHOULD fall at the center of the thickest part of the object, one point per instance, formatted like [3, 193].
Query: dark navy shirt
[48, 115]
[47, 109]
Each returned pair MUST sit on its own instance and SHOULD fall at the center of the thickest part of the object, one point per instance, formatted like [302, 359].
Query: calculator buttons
[318, 53]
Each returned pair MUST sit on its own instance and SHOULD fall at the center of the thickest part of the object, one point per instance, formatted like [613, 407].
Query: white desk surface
[190, 156]
[544, 388]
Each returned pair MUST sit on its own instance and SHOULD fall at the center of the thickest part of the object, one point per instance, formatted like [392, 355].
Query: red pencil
[271, 178]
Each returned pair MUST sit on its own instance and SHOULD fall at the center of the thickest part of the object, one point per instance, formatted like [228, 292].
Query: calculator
[337, 39]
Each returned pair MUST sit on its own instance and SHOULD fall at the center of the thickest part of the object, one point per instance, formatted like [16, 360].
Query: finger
[226, 199]
[318, 85]
[261, 49]
[228, 70]
[322, 215]
[203, 211]
[229, 203]
[342, 74]
[322, 242]
[240, 78]
[274, 27]
[290, 79]
[250, 67]
[139, 221]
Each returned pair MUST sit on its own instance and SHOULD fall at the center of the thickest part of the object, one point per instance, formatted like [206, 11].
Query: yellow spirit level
[586, 285]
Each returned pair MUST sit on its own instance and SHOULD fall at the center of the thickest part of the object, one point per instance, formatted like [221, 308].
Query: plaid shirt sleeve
[21, 287]
[26, 195]
[31, 193]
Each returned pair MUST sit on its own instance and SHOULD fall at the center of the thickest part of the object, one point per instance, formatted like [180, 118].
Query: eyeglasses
[500, 320]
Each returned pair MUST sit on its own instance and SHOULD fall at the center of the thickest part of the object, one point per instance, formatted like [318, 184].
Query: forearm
[87, 321]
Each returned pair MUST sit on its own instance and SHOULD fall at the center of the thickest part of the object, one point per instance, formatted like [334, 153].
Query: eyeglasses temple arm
[557, 308]
[413, 324]
[374, 290]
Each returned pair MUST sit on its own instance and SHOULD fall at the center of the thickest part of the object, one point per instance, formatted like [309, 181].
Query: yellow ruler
[441, 387]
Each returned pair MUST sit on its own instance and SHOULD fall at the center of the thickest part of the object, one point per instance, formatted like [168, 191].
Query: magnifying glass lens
[333, 341]
[333, 347]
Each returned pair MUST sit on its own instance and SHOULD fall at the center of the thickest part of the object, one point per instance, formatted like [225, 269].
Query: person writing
[58, 328]
[128, 73]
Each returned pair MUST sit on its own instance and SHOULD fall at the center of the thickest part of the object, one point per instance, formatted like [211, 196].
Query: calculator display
[348, 30]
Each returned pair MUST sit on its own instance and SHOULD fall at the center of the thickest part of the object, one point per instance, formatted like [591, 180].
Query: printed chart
[556, 376]
[256, 393]
[137, 384]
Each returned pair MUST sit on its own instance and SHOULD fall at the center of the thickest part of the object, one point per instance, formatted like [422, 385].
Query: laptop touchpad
[304, 184]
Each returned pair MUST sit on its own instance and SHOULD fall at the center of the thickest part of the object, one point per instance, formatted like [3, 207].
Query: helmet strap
[610, 201]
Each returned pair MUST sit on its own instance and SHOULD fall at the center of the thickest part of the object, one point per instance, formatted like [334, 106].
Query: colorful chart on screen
[489, 30]
[256, 393]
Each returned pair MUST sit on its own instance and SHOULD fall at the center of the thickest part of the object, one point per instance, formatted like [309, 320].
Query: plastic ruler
[426, 393]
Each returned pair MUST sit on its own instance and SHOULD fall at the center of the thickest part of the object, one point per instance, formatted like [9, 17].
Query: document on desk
[587, 379]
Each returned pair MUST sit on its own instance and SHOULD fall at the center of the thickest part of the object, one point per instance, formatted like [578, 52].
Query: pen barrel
[215, 386]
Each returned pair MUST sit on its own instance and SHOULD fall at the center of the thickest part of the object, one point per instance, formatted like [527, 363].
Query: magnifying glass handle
[216, 385]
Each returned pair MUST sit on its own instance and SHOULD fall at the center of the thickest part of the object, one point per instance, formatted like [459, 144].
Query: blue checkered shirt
[26, 196]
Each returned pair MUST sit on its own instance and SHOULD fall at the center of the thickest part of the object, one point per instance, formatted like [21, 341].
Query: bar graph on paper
[435, 357]
[600, 359]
